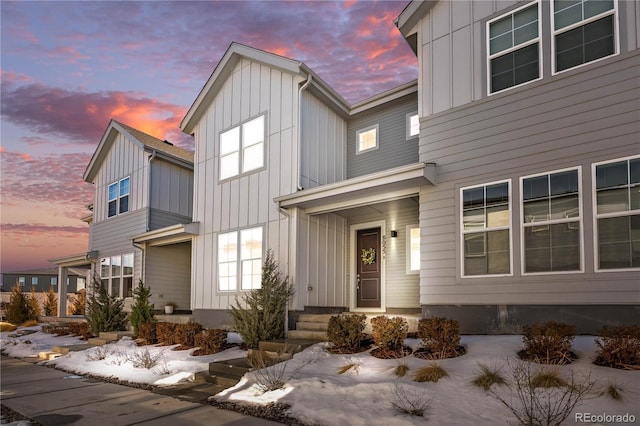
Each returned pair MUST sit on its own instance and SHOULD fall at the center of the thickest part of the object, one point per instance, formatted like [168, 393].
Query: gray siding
[577, 118]
[168, 274]
[160, 219]
[393, 147]
[113, 236]
[171, 188]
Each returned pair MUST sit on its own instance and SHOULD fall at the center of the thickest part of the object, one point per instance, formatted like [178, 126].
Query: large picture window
[240, 259]
[583, 31]
[486, 229]
[513, 43]
[617, 207]
[551, 221]
[118, 197]
[242, 148]
[116, 275]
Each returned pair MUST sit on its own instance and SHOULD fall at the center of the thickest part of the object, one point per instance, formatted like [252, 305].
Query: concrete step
[318, 336]
[70, 348]
[217, 380]
[323, 318]
[288, 345]
[312, 326]
[97, 341]
[225, 382]
[115, 335]
[233, 368]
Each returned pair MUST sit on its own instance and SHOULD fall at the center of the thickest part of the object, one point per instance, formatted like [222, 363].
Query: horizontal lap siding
[245, 201]
[575, 119]
[161, 219]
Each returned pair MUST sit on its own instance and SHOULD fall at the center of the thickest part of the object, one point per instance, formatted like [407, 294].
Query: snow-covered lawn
[364, 394]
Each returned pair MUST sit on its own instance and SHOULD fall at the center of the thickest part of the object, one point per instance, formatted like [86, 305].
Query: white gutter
[300, 90]
[151, 157]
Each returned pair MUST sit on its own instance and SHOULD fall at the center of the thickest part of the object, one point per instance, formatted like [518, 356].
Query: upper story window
[583, 31]
[617, 207]
[486, 229]
[367, 139]
[513, 42]
[413, 125]
[551, 222]
[118, 197]
[243, 265]
[242, 148]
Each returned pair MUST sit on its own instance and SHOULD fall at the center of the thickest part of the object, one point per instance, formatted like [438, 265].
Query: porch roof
[387, 185]
[78, 259]
[173, 234]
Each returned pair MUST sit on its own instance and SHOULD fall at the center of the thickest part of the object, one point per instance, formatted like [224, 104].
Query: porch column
[63, 273]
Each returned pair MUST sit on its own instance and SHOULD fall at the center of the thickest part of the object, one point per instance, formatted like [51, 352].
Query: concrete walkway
[52, 397]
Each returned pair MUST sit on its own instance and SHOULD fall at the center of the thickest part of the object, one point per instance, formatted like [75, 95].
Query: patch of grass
[613, 391]
[409, 404]
[6, 326]
[348, 367]
[401, 370]
[431, 373]
[488, 376]
[548, 378]
[30, 323]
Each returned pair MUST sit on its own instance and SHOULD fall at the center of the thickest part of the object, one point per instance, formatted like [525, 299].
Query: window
[583, 31]
[242, 148]
[367, 139]
[486, 229]
[551, 222]
[116, 273]
[617, 206]
[118, 197]
[413, 125]
[413, 249]
[54, 281]
[245, 263]
[513, 43]
[21, 281]
[34, 280]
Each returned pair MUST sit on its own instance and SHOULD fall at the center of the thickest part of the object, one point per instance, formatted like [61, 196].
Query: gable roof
[230, 59]
[144, 141]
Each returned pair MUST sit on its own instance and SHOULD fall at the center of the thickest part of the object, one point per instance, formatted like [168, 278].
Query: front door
[369, 260]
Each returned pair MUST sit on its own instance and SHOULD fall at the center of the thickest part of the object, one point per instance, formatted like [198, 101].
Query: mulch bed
[556, 359]
[424, 354]
[391, 354]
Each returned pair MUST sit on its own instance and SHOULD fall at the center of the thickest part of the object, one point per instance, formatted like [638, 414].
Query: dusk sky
[68, 67]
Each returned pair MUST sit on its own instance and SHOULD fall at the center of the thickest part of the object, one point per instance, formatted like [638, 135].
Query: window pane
[497, 194]
[230, 141]
[635, 197]
[113, 191]
[500, 27]
[34, 280]
[565, 207]
[614, 242]
[105, 267]
[473, 197]
[473, 219]
[229, 165]
[367, 139]
[584, 44]
[612, 174]
[251, 272]
[251, 243]
[565, 247]
[498, 216]
[514, 68]
[253, 131]
[54, 280]
[115, 287]
[112, 208]
[414, 237]
[124, 204]
[414, 125]
[227, 247]
[537, 248]
[227, 276]
[127, 286]
[252, 157]
[536, 211]
[127, 264]
[613, 200]
[566, 12]
[535, 187]
[564, 183]
[596, 7]
[116, 263]
[474, 244]
[498, 252]
[634, 171]
[502, 42]
[124, 186]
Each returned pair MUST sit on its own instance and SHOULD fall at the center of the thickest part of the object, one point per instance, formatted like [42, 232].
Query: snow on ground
[363, 395]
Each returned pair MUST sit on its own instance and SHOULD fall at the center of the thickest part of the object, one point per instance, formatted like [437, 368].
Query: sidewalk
[52, 398]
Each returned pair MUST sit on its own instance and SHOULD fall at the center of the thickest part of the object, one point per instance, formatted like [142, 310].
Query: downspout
[144, 256]
[300, 90]
[151, 158]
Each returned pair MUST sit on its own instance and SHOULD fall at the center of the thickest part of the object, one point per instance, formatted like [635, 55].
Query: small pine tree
[261, 316]
[141, 311]
[33, 305]
[18, 307]
[79, 303]
[104, 312]
[50, 305]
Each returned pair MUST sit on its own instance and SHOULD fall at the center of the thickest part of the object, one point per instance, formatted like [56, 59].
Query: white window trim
[122, 275]
[241, 150]
[408, 254]
[596, 216]
[34, 281]
[118, 197]
[463, 232]
[520, 46]
[552, 222]
[554, 33]
[53, 281]
[408, 134]
[366, 129]
[22, 281]
[238, 232]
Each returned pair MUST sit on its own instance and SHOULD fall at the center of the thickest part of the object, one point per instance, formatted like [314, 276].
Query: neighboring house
[40, 280]
[142, 184]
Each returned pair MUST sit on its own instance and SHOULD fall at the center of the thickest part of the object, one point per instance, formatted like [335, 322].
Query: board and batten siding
[579, 117]
[394, 149]
[246, 201]
[171, 188]
[452, 48]
[321, 261]
[323, 142]
[168, 274]
[124, 159]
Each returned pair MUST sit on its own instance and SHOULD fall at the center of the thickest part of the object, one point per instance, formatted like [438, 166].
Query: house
[142, 184]
[40, 280]
[499, 189]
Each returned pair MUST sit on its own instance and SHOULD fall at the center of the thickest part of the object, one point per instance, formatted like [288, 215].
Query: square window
[367, 139]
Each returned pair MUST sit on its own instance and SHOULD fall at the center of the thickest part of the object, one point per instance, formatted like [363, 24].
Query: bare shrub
[147, 332]
[409, 403]
[98, 353]
[613, 391]
[535, 405]
[431, 373]
[440, 338]
[488, 376]
[389, 335]
[185, 333]
[401, 370]
[80, 329]
[210, 341]
[619, 347]
[345, 333]
[270, 371]
[548, 343]
[165, 332]
[548, 377]
[143, 358]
